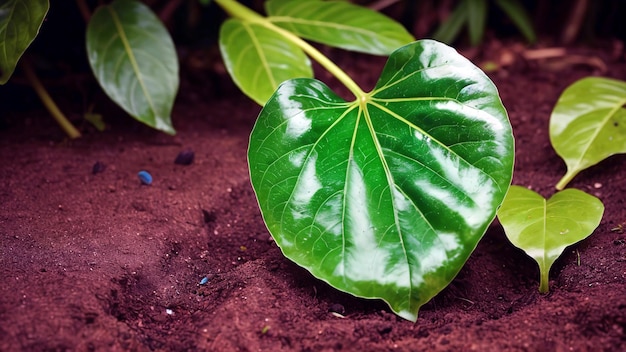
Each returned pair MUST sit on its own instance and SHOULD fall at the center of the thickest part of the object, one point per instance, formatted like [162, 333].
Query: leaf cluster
[587, 125]
[130, 52]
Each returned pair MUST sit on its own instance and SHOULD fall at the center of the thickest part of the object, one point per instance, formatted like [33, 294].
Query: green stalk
[47, 101]
[566, 179]
[236, 10]
[544, 284]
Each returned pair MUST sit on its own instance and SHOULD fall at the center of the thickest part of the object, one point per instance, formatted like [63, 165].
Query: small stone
[98, 167]
[597, 185]
[185, 157]
[144, 177]
[337, 308]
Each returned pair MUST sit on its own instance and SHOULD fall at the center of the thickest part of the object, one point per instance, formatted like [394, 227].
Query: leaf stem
[235, 9]
[47, 101]
[565, 180]
[544, 284]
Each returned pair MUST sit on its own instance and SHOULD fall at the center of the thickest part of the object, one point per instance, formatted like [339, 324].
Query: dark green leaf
[20, 21]
[259, 59]
[386, 196]
[588, 124]
[339, 24]
[134, 59]
[519, 16]
[544, 228]
[450, 29]
[477, 20]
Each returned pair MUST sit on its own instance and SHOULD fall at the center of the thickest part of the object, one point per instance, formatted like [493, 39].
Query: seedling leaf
[259, 59]
[20, 21]
[339, 24]
[588, 124]
[134, 60]
[386, 196]
[543, 228]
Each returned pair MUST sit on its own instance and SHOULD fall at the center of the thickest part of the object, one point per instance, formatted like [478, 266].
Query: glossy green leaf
[259, 59]
[339, 24]
[386, 196]
[20, 21]
[134, 59]
[544, 228]
[588, 124]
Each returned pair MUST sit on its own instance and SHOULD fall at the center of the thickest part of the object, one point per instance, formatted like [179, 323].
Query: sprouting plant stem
[566, 179]
[544, 284]
[236, 10]
[47, 101]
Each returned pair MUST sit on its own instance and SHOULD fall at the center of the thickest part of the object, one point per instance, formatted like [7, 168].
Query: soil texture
[92, 260]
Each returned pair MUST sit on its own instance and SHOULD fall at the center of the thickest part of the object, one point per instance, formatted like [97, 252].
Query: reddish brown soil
[95, 261]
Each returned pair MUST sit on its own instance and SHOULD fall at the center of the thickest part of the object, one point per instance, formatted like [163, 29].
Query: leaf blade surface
[543, 229]
[588, 124]
[385, 198]
[133, 58]
[20, 21]
[339, 24]
[259, 59]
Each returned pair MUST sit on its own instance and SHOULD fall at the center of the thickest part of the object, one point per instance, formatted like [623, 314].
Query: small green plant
[384, 196]
[129, 49]
[588, 124]
[474, 14]
[543, 228]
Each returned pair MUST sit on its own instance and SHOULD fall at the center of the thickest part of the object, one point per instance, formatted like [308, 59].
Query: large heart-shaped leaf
[386, 196]
[339, 24]
[588, 124]
[20, 21]
[259, 59]
[133, 57]
[544, 228]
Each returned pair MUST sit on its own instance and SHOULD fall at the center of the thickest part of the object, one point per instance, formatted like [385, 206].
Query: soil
[96, 261]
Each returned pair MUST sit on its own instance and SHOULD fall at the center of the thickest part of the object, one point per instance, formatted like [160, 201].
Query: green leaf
[258, 59]
[588, 124]
[339, 24]
[20, 21]
[386, 196]
[134, 59]
[519, 16]
[450, 29]
[477, 20]
[543, 228]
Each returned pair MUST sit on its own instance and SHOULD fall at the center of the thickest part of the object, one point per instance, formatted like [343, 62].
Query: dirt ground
[95, 261]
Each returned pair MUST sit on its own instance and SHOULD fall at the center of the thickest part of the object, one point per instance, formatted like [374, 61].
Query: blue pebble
[204, 280]
[145, 177]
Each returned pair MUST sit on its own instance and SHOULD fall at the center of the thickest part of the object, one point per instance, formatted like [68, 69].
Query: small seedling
[384, 196]
[543, 228]
[588, 124]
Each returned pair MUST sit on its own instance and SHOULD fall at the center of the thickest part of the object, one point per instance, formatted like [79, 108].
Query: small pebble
[337, 308]
[98, 167]
[597, 185]
[145, 177]
[185, 157]
[169, 311]
[204, 280]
